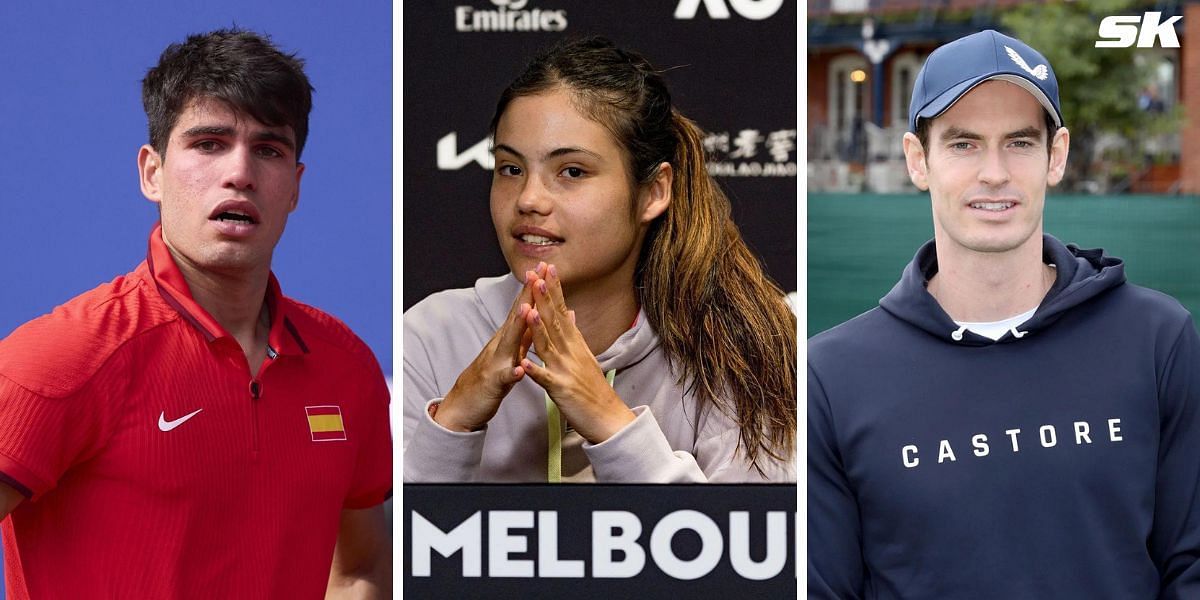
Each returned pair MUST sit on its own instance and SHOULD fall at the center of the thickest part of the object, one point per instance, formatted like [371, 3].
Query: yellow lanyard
[554, 435]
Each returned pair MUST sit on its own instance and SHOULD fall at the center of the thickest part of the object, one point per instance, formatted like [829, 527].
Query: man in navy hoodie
[1014, 420]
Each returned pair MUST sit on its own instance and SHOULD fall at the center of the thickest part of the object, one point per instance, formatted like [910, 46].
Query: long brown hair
[720, 319]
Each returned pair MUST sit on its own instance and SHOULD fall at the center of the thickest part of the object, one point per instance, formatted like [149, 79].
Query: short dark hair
[923, 126]
[241, 68]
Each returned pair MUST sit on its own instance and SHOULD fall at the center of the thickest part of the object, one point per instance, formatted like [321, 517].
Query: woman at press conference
[637, 339]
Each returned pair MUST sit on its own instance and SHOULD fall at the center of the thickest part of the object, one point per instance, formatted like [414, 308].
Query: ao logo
[511, 4]
[755, 10]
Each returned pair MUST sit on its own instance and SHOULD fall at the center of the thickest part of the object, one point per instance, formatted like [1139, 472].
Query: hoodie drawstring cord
[554, 437]
[957, 334]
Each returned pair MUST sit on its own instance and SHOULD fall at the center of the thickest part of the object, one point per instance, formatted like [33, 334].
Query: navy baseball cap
[954, 69]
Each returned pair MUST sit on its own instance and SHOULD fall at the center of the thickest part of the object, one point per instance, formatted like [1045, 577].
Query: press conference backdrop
[731, 66]
[72, 123]
[859, 244]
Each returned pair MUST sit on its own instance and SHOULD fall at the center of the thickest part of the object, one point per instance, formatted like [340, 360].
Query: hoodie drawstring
[554, 435]
[957, 334]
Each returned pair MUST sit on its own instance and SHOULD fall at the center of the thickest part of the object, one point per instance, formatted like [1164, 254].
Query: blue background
[71, 123]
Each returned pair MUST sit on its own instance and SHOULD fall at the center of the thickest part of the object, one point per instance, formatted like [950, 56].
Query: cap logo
[1041, 72]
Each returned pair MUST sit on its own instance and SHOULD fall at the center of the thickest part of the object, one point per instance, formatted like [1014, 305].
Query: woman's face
[562, 193]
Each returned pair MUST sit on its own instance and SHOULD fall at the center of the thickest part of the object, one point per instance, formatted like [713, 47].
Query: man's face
[986, 169]
[225, 187]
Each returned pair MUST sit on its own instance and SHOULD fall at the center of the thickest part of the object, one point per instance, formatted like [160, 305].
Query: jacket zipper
[255, 395]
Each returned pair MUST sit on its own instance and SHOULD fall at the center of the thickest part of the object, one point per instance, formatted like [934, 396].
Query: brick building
[863, 57]
[1190, 93]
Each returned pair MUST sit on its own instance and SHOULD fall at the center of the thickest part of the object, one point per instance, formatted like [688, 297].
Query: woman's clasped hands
[569, 372]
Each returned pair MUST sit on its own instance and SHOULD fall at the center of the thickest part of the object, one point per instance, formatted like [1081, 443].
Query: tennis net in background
[858, 244]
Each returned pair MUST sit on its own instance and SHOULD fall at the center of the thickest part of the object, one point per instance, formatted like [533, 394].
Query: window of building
[848, 81]
[847, 97]
[903, 75]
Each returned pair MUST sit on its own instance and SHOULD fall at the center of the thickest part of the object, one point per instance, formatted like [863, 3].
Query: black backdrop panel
[576, 509]
[735, 76]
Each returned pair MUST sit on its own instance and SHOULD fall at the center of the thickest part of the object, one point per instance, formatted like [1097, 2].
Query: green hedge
[859, 243]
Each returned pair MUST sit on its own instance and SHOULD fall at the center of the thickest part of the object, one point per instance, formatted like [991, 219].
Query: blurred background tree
[1099, 87]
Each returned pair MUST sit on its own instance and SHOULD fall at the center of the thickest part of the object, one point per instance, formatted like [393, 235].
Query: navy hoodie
[1061, 461]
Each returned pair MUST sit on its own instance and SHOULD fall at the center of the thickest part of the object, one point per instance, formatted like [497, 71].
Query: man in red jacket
[186, 426]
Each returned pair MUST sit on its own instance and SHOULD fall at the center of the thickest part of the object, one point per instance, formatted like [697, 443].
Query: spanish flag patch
[325, 423]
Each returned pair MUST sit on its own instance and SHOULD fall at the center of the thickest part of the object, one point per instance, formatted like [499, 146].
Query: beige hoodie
[672, 440]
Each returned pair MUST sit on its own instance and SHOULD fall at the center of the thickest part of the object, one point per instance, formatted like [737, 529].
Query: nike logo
[165, 425]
